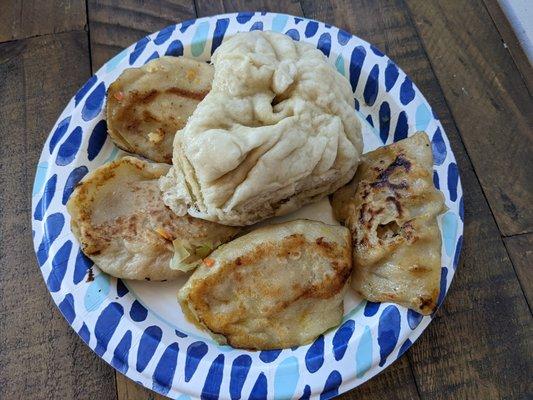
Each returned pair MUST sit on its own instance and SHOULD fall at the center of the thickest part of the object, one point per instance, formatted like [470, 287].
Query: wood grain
[115, 24]
[511, 42]
[129, 390]
[520, 249]
[207, 7]
[22, 19]
[41, 357]
[489, 101]
[469, 350]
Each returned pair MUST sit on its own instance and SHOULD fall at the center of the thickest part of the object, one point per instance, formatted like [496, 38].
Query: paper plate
[138, 327]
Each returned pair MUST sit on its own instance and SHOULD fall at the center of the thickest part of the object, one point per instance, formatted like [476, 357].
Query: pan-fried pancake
[147, 105]
[119, 217]
[278, 286]
[391, 208]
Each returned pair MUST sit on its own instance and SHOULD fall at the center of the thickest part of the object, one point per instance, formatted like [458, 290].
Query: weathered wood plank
[469, 350]
[42, 357]
[22, 19]
[129, 390]
[116, 24]
[488, 99]
[206, 7]
[511, 41]
[520, 249]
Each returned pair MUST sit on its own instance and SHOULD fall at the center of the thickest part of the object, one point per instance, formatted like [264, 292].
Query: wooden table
[463, 56]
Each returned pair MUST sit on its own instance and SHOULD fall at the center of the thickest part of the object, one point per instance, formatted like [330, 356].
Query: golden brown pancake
[147, 105]
[391, 208]
[278, 286]
[119, 217]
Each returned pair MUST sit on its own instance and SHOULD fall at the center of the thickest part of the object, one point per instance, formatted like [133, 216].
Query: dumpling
[391, 208]
[277, 286]
[277, 131]
[147, 105]
[123, 225]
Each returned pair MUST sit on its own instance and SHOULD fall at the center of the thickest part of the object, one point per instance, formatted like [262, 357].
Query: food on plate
[147, 105]
[278, 286]
[278, 130]
[118, 215]
[391, 208]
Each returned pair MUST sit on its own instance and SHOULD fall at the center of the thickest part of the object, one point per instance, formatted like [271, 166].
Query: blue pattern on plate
[343, 37]
[462, 209]
[84, 333]
[363, 354]
[443, 283]
[413, 318]
[407, 93]
[404, 347]
[164, 371]
[324, 43]
[286, 378]
[73, 179]
[199, 39]
[371, 88]
[269, 355]
[52, 228]
[96, 293]
[293, 33]
[84, 89]
[306, 394]
[244, 17]
[239, 372]
[68, 149]
[257, 26]
[164, 34]
[259, 390]
[384, 121]
[436, 179]
[106, 325]
[121, 353]
[371, 308]
[391, 75]
[311, 28]
[356, 64]
[453, 180]
[154, 358]
[122, 290]
[153, 56]
[331, 387]
[195, 352]
[138, 50]
[93, 104]
[369, 120]
[401, 127]
[138, 312]
[214, 379]
[46, 199]
[439, 147]
[175, 48]
[341, 339]
[82, 265]
[148, 344]
[314, 358]
[97, 140]
[59, 267]
[67, 308]
[388, 332]
[218, 36]
[457, 254]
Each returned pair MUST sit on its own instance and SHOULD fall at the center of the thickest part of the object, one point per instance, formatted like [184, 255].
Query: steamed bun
[277, 131]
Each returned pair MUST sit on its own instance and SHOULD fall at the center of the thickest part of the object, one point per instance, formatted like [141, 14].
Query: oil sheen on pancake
[147, 105]
[391, 208]
[278, 286]
[118, 216]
